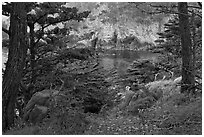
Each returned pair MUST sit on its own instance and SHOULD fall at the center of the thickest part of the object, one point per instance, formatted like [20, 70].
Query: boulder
[37, 114]
[37, 107]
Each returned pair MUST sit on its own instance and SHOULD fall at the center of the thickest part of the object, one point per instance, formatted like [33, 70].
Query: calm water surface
[121, 60]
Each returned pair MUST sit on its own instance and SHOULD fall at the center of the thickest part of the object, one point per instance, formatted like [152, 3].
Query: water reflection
[120, 60]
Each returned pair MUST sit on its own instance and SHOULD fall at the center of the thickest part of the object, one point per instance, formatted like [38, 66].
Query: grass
[173, 114]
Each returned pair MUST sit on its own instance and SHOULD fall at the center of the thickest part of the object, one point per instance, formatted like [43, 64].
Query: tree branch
[200, 4]
[40, 18]
[191, 11]
[191, 6]
[55, 22]
[159, 9]
[6, 31]
[42, 30]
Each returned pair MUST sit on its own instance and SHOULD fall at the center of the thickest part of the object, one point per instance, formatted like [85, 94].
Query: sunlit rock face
[144, 32]
[147, 33]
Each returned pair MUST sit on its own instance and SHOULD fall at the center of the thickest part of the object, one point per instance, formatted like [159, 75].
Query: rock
[37, 114]
[37, 106]
[178, 80]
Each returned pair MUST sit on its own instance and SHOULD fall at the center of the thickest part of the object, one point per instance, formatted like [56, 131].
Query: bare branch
[61, 85]
[200, 4]
[39, 37]
[55, 22]
[37, 41]
[196, 7]
[40, 18]
[163, 9]
[5, 30]
[191, 11]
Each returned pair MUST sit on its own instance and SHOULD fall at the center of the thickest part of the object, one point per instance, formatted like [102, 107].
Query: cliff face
[147, 33]
[144, 32]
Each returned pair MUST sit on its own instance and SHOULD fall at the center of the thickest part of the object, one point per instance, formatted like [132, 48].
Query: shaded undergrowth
[171, 114]
[175, 114]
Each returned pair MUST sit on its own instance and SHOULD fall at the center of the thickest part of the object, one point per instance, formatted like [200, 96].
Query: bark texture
[187, 75]
[15, 63]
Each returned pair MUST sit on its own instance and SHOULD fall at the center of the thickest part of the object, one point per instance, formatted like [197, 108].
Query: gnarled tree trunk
[15, 63]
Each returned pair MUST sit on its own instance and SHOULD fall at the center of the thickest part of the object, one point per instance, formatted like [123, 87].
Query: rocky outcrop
[37, 107]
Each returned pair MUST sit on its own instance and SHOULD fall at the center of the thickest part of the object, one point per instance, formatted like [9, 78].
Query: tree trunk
[15, 63]
[32, 53]
[115, 38]
[193, 35]
[187, 76]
